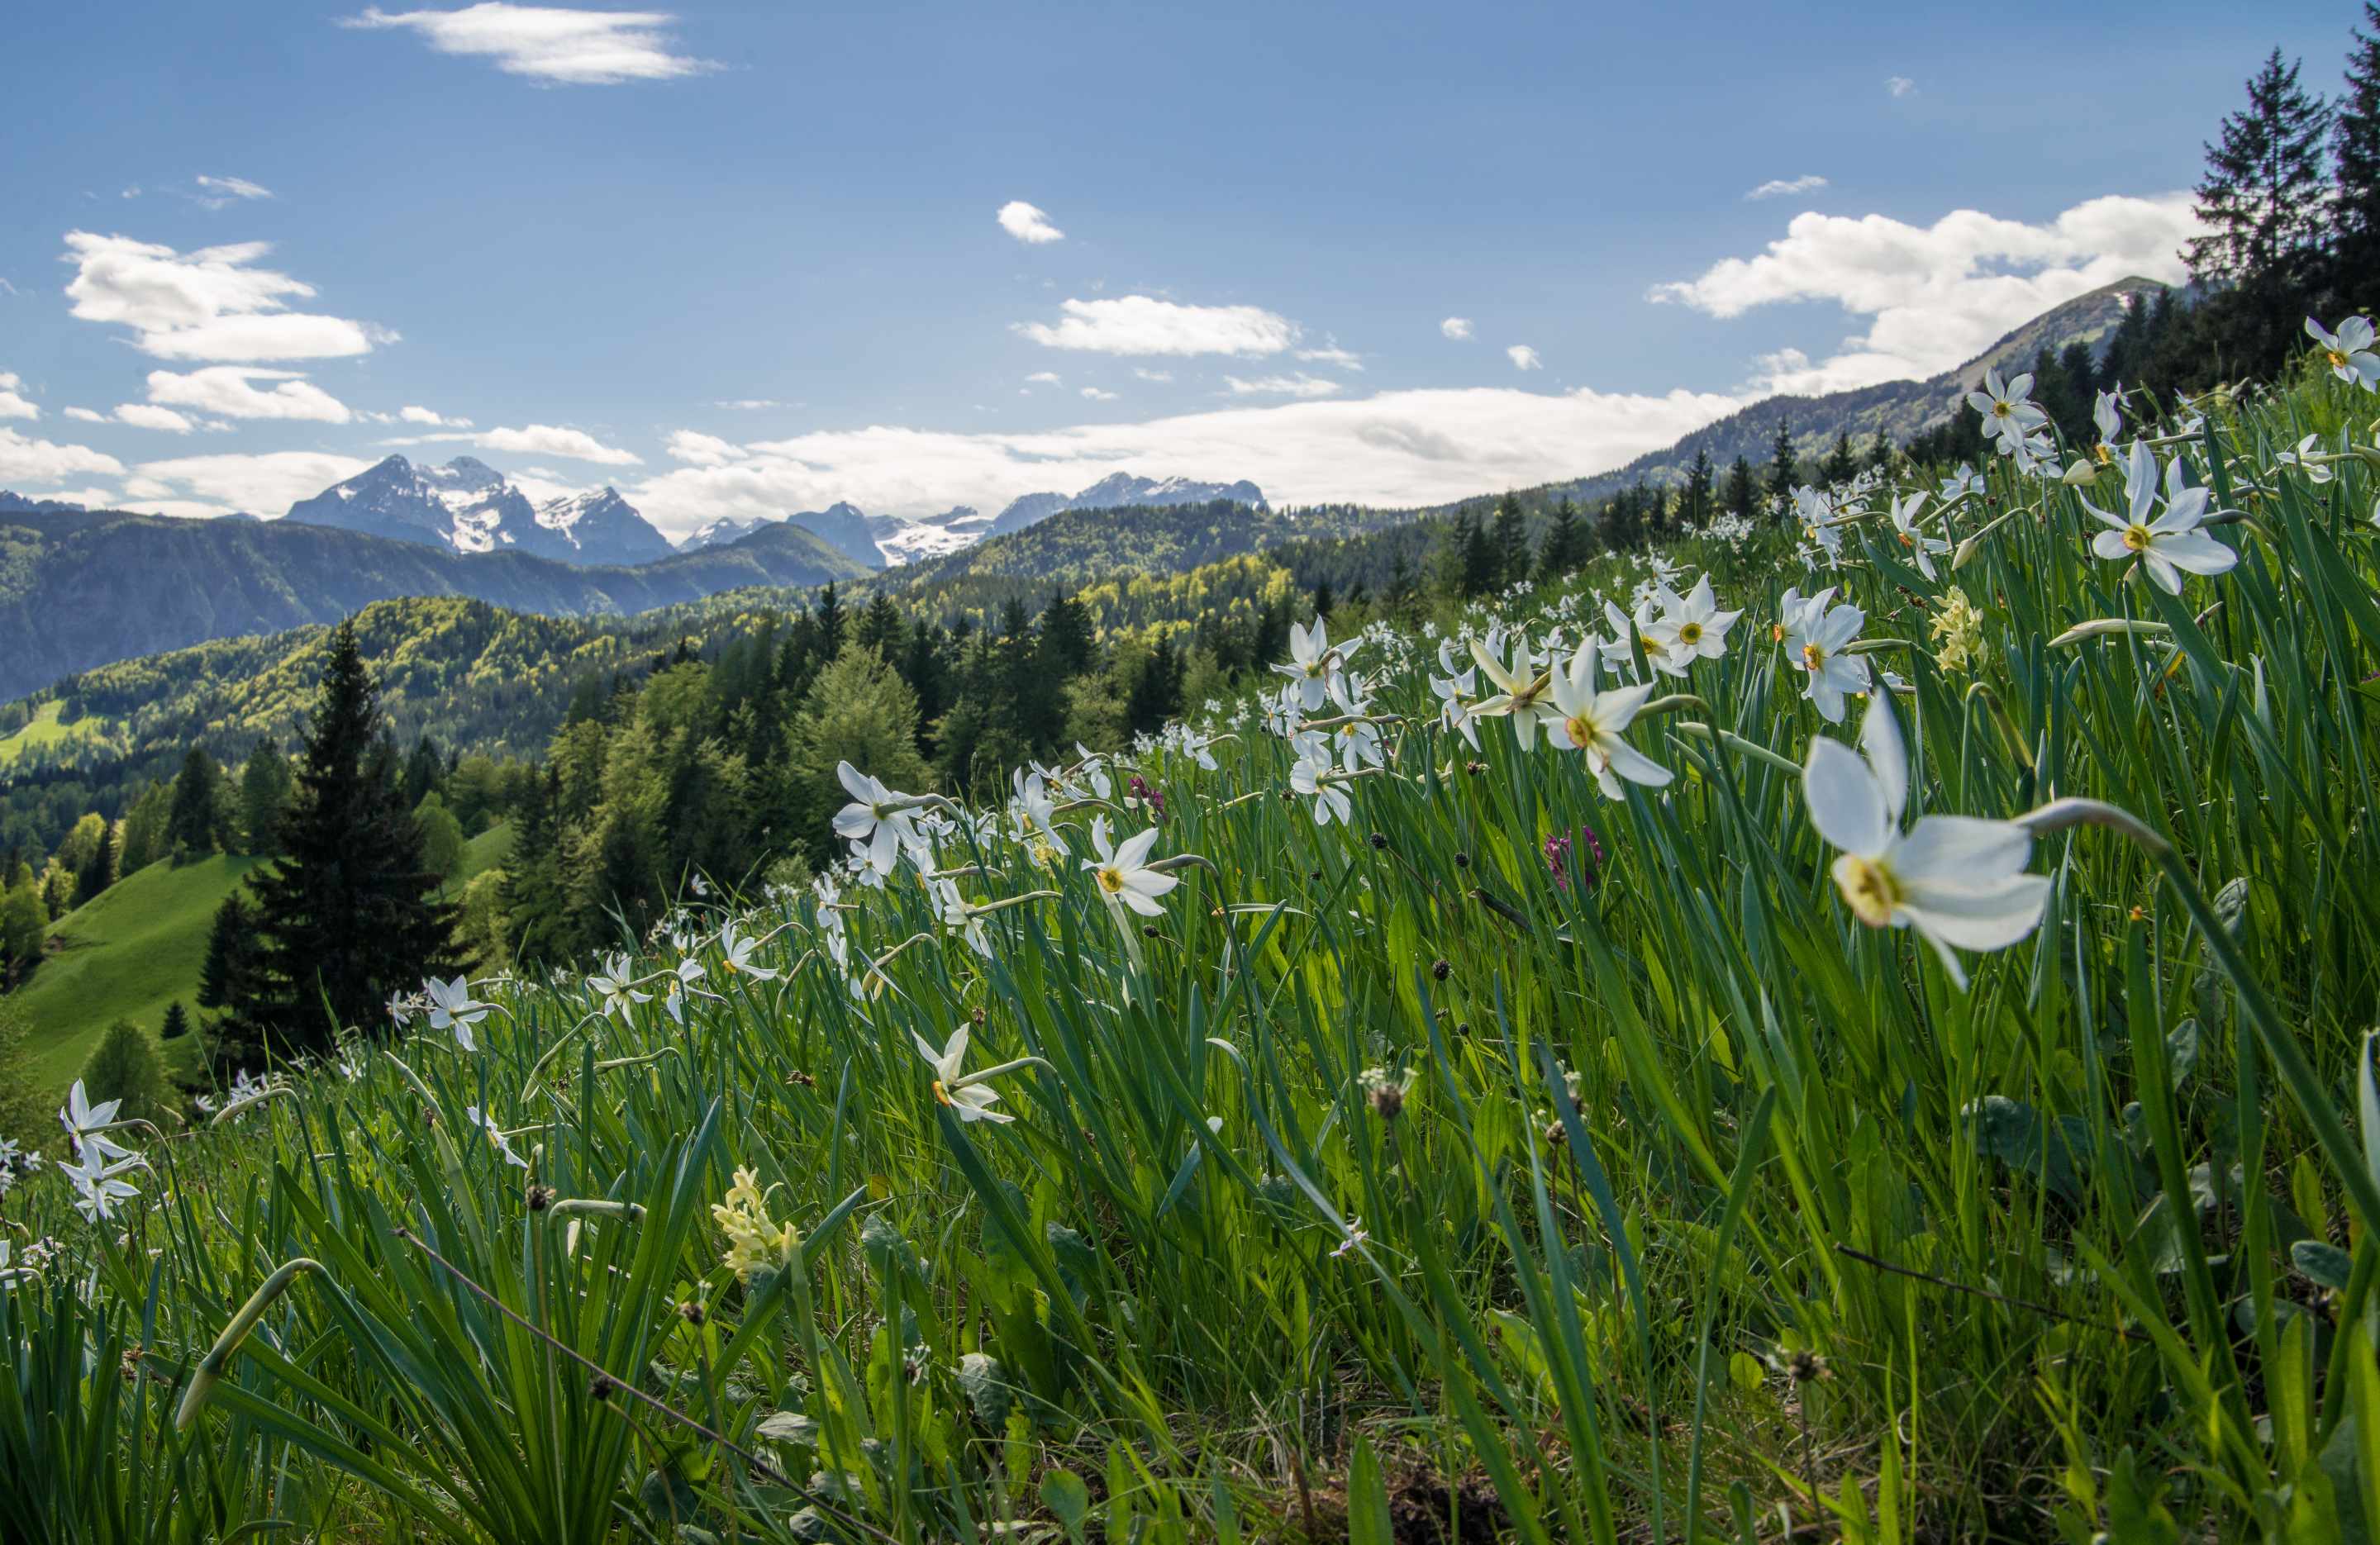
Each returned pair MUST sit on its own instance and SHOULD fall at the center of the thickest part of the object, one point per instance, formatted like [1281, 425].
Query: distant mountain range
[467, 506]
[881, 542]
[79, 588]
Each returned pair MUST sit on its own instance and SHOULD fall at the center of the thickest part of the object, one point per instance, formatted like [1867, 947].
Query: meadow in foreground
[1862, 1034]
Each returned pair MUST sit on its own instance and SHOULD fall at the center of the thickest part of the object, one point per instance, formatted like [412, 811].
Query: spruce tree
[1784, 469]
[125, 1066]
[829, 617]
[1841, 464]
[264, 794]
[2355, 261]
[1562, 550]
[177, 1022]
[1701, 481]
[191, 820]
[347, 915]
[1743, 493]
[1511, 540]
[2265, 206]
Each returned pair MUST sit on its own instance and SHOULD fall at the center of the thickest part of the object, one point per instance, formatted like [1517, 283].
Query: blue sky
[243, 240]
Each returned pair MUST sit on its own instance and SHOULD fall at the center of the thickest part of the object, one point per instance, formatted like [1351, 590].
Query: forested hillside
[83, 589]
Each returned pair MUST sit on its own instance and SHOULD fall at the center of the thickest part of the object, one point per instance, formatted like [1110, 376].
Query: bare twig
[1867, 1259]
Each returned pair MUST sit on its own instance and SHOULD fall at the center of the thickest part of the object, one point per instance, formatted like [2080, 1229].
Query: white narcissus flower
[452, 1008]
[1312, 777]
[2171, 543]
[1314, 661]
[2306, 458]
[872, 823]
[87, 1123]
[1591, 721]
[737, 948]
[1816, 637]
[2349, 350]
[1959, 880]
[2007, 414]
[1520, 694]
[1690, 628]
[1922, 547]
[1123, 870]
[972, 1103]
[2107, 417]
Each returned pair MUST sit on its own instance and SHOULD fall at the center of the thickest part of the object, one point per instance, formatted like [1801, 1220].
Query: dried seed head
[603, 1386]
[1440, 970]
[1805, 1367]
[1379, 842]
[692, 1312]
[1149, 930]
[1462, 861]
[978, 1017]
[539, 1197]
[799, 1079]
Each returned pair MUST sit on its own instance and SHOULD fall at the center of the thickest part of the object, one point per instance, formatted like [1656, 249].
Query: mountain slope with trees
[81, 589]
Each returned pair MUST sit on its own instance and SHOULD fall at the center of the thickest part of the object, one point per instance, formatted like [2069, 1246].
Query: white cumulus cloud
[1523, 357]
[211, 304]
[149, 415]
[87, 415]
[231, 391]
[13, 404]
[702, 450]
[25, 460]
[1938, 294]
[415, 414]
[549, 43]
[264, 485]
[1395, 448]
[1457, 328]
[1140, 324]
[1026, 224]
[1778, 187]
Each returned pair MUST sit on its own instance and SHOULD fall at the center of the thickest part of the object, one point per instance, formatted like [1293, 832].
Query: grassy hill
[124, 955]
[139, 945]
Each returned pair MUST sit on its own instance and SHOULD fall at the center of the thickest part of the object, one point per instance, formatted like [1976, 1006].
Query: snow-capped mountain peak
[468, 506]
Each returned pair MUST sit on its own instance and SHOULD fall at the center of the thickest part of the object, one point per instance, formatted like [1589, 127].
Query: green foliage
[857, 711]
[125, 1066]
[442, 835]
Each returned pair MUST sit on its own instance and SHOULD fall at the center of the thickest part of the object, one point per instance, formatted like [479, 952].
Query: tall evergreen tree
[1511, 540]
[1696, 508]
[829, 617]
[100, 873]
[880, 626]
[348, 913]
[264, 794]
[1565, 544]
[1784, 469]
[2356, 256]
[1841, 464]
[1743, 493]
[191, 821]
[2264, 205]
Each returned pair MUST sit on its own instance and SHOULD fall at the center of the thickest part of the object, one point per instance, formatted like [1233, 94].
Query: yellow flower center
[1907, 541]
[2137, 539]
[1582, 731]
[2104, 453]
[1111, 880]
[1868, 887]
[1813, 656]
[1777, 632]
[1689, 633]
[2001, 410]
[940, 1093]
[2337, 360]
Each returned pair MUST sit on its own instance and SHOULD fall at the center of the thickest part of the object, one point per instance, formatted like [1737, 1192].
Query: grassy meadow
[141, 944]
[1491, 1091]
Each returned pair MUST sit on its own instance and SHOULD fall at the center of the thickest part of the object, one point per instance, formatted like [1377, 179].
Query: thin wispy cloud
[1779, 187]
[231, 391]
[1298, 385]
[1899, 85]
[1027, 223]
[548, 44]
[1143, 324]
[220, 193]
